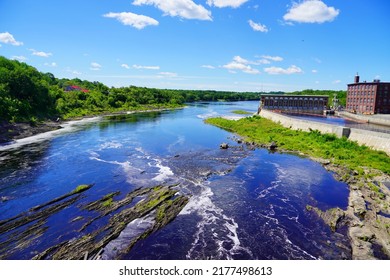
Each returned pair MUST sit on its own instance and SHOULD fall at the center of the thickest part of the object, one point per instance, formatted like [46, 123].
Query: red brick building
[368, 97]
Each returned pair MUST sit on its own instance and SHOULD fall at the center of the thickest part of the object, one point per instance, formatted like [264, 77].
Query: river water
[244, 203]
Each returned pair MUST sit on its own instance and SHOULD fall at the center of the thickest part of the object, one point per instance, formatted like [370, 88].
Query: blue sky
[237, 45]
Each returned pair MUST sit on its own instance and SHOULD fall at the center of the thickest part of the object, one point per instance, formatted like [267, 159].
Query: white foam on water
[164, 172]
[111, 145]
[212, 219]
[67, 127]
[132, 173]
[207, 115]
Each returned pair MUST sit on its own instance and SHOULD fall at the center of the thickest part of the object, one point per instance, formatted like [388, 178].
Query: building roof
[294, 95]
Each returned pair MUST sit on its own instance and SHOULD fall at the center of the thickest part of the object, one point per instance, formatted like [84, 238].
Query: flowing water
[244, 203]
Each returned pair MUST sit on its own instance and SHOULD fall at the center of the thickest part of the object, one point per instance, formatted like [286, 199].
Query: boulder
[356, 201]
[273, 146]
[224, 146]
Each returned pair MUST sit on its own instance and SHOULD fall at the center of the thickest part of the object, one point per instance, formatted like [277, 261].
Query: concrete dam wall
[376, 140]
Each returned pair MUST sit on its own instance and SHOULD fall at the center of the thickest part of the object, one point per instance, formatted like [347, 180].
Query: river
[244, 203]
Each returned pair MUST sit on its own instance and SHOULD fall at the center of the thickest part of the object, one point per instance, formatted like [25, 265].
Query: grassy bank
[327, 146]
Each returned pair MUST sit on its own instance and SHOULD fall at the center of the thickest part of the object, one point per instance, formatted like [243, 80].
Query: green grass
[339, 150]
[241, 112]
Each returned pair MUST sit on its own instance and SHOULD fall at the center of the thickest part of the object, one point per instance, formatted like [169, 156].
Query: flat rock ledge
[162, 203]
[367, 215]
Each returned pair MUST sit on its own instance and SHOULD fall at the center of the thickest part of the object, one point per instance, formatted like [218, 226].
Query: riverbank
[373, 139]
[10, 132]
[367, 172]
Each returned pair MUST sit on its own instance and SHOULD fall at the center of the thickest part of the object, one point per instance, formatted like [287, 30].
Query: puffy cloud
[258, 26]
[124, 65]
[8, 38]
[146, 67]
[278, 70]
[311, 11]
[226, 3]
[178, 8]
[241, 64]
[263, 61]
[134, 20]
[95, 66]
[39, 53]
[20, 58]
[314, 71]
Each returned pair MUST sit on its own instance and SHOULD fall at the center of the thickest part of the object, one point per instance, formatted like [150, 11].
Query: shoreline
[367, 216]
[22, 133]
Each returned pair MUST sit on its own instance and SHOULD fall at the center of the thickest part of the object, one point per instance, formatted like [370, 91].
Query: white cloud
[208, 66]
[263, 61]
[168, 74]
[20, 58]
[314, 71]
[258, 26]
[336, 82]
[95, 66]
[146, 67]
[53, 64]
[73, 72]
[39, 53]
[8, 38]
[134, 20]
[311, 11]
[178, 8]
[124, 65]
[278, 70]
[241, 64]
[226, 3]
[273, 58]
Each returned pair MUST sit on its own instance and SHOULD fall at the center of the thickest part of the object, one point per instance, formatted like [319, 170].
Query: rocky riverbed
[14, 131]
[368, 214]
[160, 203]
[367, 217]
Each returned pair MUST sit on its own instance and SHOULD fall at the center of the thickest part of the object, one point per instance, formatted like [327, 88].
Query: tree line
[29, 95]
[26, 94]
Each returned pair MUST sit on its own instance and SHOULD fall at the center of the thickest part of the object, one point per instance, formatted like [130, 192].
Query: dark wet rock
[273, 146]
[12, 131]
[160, 200]
[224, 146]
[43, 211]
